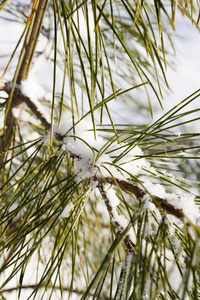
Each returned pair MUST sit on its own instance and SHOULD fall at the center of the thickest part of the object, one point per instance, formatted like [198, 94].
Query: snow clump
[89, 165]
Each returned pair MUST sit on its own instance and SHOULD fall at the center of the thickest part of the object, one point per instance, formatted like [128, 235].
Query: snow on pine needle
[93, 163]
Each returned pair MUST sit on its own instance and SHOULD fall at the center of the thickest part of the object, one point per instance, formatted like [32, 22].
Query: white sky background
[186, 78]
[183, 81]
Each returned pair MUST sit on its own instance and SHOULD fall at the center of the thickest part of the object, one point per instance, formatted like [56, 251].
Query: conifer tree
[96, 203]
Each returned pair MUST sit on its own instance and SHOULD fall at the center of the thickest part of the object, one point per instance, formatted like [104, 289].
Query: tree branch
[18, 94]
[29, 48]
[119, 227]
[140, 193]
[34, 32]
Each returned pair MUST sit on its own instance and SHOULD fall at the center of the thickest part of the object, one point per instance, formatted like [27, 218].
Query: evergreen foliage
[93, 208]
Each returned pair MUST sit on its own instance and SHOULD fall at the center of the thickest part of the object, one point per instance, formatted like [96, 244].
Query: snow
[87, 166]
[180, 200]
[133, 162]
[84, 150]
[82, 146]
[66, 212]
[34, 91]
[114, 200]
[16, 112]
[178, 134]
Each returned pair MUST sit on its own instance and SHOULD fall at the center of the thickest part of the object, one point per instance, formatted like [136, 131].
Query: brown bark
[31, 39]
[28, 49]
[140, 193]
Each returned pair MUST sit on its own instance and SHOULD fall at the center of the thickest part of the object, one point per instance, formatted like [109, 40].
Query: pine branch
[140, 193]
[26, 55]
[119, 227]
[33, 32]
[19, 97]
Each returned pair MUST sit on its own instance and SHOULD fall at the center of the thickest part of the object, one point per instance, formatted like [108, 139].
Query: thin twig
[33, 286]
[18, 94]
[119, 227]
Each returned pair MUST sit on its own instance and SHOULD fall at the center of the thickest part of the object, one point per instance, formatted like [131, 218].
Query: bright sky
[183, 81]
